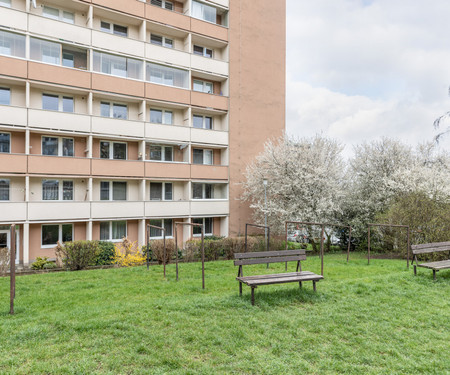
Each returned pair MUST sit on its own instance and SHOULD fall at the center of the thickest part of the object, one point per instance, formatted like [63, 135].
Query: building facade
[115, 114]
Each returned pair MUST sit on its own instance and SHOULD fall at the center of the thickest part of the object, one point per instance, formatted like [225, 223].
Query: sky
[358, 70]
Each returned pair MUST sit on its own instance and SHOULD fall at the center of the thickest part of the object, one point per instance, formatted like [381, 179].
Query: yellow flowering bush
[127, 254]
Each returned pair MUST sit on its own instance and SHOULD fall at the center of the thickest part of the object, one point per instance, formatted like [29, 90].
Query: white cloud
[358, 70]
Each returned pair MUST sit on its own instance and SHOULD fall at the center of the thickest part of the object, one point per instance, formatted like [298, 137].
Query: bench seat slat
[263, 254]
[280, 280]
[271, 276]
[430, 247]
[269, 260]
[440, 265]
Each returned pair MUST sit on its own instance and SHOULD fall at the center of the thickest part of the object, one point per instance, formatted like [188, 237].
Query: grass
[376, 319]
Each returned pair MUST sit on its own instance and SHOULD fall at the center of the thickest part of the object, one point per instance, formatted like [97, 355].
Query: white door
[5, 241]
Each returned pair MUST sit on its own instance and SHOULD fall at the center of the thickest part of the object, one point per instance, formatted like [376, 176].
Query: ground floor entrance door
[5, 241]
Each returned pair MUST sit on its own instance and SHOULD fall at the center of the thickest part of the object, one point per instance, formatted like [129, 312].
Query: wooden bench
[264, 257]
[431, 248]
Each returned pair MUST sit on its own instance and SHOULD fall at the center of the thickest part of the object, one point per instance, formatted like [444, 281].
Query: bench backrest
[263, 257]
[430, 247]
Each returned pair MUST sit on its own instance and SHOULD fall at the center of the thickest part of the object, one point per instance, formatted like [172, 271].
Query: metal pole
[321, 250]
[12, 267]
[286, 242]
[176, 249]
[245, 237]
[368, 245]
[349, 241]
[148, 246]
[265, 210]
[164, 254]
[407, 250]
[203, 256]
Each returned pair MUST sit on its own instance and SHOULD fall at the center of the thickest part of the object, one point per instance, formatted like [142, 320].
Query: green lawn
[376, 319]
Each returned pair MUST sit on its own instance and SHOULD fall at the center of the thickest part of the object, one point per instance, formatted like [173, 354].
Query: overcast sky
[361, 69]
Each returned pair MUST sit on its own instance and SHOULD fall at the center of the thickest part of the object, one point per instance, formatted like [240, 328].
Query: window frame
[111, 29]
[9, 143]
[111, 190]
[5, 3]
[204, 52]
[61, 190]
[163, 225]
[61, 98]
[163, 191]
[164, 41]
[111, 150]
[203, 117]
[203, 219]
[163, 116]
[61, 15]
[60, 146]
[203, 185]
[163, 153]
[163, 4]
[112, 106]
[204, 86]
[110, 230]
[60, 234]
[7, 189]
[6, 89]
[203, 155]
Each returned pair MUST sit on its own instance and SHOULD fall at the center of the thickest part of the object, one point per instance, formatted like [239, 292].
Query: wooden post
[407, 250]
[176, 249]
[148, 246]
[203, 256]
[12, 265]
[164, 254]
[321, 250]
[368, 245]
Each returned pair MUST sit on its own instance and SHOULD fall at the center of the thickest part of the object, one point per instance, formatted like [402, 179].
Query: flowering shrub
[127, 254]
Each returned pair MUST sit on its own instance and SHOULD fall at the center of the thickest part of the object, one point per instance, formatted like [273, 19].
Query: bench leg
[314, 285]
[253, 296]
[434, 275]
[300, 283]
[415, 270]
[240, 288]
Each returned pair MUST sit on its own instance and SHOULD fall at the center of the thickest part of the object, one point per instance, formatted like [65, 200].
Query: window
[167, 224]
[58, 14]
[113, 150]
[117, 65]
[203, 51]
[202, 86]
[203, 156]
[5, 96]
[4, 190]
[114, 110]
[12, 44]
[161, 41]
[113, 190]
[53, 233]
[202, 191]
[161, 153]
[161, 116]
[113, 28]
[202, 122]
[204, 12]
[208, 226]
[5, 3]
[161, 191]
[113, 230]
[56, 53]
[57, 103]
[53, 190]
[162, 4]
[56, 146]
[166, 75]
[5, 142]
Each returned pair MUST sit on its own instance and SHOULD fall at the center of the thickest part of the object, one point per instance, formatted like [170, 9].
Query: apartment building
[115, 114]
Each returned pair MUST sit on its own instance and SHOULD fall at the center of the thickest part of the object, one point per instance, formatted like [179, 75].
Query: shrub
[106, 254]
[157, 250]
[127, 253]
[42, 263]
[4, 260]
[77, 255]
[214, 248]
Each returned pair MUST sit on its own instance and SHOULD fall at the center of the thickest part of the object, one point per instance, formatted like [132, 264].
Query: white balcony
[205, 207]
[105, 125]
[167, 55]
[117, 209]
[209, 65]
[64, 210]
[117, 43]
[223, 3]
[14, 18]
[167, 132]
[59, 29]
[59, 120]
[13, 115]
[166, 208]
[13, 211]
[215, 137]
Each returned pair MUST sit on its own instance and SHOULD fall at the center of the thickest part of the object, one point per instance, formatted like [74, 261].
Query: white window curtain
[167, 75]
[45, 51]
[204, 12]
[117, 65]
[119, 230]
[12, 44]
